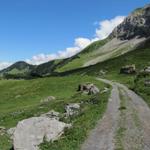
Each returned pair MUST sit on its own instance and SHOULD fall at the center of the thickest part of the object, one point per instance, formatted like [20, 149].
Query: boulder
[88, 88]
[72, 109]
[31, 132]
[128, 69]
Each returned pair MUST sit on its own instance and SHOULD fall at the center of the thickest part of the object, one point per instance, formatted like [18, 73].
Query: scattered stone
[147, 83]
[48, 99]
[72, 109]
[147, 70]
[52, 114]
[128, 69]
[31, 132]
[88, 88]
[102, 72]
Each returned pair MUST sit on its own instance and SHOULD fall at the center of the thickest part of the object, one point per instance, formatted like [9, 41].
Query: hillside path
[125, 124]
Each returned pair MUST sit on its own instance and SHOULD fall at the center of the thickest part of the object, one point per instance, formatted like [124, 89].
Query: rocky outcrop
[31, 132]
[128, 69]
[88, 88]
[136, 25]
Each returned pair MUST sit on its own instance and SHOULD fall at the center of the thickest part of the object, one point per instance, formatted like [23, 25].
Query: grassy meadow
[21, 99]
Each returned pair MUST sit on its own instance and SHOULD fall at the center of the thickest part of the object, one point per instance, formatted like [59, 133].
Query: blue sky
[32, 27]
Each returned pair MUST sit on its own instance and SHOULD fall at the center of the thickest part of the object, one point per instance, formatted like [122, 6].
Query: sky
[37, 31]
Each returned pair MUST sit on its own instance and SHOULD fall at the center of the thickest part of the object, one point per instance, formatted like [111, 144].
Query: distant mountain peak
[20, 68]
[136, 25]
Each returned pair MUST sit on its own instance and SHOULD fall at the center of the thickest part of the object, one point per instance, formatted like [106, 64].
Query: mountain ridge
[131, 34]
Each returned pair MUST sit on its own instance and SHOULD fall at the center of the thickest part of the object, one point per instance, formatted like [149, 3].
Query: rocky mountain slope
[137, 24]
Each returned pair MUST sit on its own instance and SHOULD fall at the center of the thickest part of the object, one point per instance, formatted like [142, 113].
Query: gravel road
[125, 124]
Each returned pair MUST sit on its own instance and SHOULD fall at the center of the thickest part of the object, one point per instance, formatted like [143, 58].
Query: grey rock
[88, 88]
[147, 69]
[72, 109]
[128, 69]
[31, 132]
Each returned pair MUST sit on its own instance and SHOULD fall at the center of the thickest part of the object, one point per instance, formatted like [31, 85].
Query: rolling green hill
[20, 69]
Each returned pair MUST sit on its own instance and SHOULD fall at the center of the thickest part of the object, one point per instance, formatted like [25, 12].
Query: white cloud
[104, 29]
[107, 26]
[82, 42]
[41, 58]
[4, 65]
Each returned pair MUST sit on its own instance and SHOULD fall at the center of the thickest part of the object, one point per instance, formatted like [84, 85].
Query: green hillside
[19, 69]
[140, 57]
[78, 60]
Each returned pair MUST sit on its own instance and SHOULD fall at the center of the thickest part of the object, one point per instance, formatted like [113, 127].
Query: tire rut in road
[129, 133]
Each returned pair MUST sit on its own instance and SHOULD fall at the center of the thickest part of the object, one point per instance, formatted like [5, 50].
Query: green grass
[21, 99]
[121, 129]
[16, 71]
[141, 89]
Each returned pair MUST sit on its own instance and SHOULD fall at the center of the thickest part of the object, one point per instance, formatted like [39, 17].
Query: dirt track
[125, 124]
